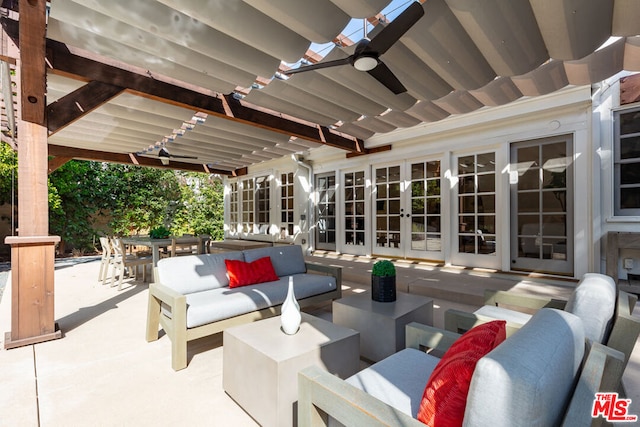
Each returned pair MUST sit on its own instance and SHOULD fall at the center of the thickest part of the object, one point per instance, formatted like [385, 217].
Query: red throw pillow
[445, 395]
[249, 273]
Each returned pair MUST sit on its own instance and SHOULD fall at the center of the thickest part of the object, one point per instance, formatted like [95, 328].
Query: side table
[260, 363]
[381, 324]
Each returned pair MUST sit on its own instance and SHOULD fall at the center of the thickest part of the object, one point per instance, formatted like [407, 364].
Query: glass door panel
[541, 191]
[326, 212]
[406, 208]
[354, 211]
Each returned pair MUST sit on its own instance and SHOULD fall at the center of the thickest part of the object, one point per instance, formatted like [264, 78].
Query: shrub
[383, 268]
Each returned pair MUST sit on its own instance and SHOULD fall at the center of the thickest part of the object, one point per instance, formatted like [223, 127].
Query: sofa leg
[153, 318]
[178, 355]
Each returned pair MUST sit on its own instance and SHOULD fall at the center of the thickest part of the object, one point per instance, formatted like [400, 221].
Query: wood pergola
[33, 250]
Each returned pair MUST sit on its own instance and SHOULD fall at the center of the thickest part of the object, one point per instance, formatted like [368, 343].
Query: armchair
[529, 358]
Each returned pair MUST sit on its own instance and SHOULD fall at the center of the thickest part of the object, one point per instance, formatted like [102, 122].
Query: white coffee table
[260, 363]
[381, 324]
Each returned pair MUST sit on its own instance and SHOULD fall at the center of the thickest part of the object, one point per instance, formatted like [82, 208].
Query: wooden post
[32, 251]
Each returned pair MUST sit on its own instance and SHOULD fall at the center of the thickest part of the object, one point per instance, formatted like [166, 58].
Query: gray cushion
[527, 380]
[511, 316]
[195, 273]
[223, 303]
[399, 380]
[594, 301]
[286, 260]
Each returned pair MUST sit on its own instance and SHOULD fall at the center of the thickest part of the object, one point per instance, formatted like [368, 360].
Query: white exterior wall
[568, 112]
[606, 102]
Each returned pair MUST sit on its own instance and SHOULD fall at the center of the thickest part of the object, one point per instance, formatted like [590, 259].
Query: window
[286, 203]
[354, 185]
[247, 206]
[262, 204]
[477, 204]
[425, 206]
[627, 163]
[233, 208]
[254, 203]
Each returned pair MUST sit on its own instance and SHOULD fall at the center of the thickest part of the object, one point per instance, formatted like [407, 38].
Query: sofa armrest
[321, 394]
[626, 327]
[602, 372]
[331, 270]
[460, 321]
[177, 303]
[427, 338]
[526, 302]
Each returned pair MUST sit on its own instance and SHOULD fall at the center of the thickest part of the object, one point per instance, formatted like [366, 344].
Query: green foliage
[202, 209]
[160, 233]
[383, 268]
[87, 199]
[8, 166]
[75, 198]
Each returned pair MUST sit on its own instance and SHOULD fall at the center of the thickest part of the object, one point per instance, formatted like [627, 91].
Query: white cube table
[381, 324]
[260, 363]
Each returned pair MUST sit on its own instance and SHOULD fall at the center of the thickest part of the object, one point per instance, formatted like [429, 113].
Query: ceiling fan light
[365, 63]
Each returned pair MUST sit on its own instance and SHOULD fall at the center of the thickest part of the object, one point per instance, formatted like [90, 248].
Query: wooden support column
[33, 250]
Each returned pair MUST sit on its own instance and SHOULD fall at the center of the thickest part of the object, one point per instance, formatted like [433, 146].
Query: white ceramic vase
[290, 316]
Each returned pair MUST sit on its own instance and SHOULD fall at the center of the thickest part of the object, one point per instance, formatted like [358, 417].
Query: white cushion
[594, 301]
[528, 379]
[286, 260]
[511, 316]
[196, 273]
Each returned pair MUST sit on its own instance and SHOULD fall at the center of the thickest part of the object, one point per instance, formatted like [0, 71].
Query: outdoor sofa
[191, 297]
[544, 374]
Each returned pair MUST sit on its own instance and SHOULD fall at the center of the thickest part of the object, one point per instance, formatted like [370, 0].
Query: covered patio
[103, 372]
[210, 87]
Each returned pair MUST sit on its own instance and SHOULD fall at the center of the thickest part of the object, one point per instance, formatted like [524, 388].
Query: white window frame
[618, 161]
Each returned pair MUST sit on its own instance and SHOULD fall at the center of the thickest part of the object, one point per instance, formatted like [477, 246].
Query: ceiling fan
[366, 56]
[165, 156]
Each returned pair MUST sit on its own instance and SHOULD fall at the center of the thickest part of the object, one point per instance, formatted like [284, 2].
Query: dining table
[157, 244]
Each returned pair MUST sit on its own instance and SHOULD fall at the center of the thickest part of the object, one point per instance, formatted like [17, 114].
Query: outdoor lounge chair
[619, 331]
[542, 375]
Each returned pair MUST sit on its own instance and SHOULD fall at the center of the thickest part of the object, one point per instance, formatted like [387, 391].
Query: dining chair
[188, 245]
[123, 262]
[105, 261]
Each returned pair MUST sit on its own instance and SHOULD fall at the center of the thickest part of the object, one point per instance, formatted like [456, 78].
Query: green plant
[383, 268]
[159, 233]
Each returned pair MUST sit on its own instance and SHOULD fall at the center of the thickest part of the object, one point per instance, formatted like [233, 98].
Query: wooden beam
[65, 63]
[126, 158]
[57, 162]
[32, 34]
[76, 104]
[373, 150]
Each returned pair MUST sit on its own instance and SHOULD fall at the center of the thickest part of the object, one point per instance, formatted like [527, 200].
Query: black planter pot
[383, 289]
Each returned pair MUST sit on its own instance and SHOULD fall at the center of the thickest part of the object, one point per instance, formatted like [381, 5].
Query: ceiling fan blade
[319, 65]
[384, 75]
[396, 29]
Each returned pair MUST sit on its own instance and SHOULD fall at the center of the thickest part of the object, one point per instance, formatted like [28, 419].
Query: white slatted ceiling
[463, 55]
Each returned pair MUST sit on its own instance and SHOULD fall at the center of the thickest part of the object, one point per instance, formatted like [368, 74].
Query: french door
[541, 180]
[406, 210]
[325, 227]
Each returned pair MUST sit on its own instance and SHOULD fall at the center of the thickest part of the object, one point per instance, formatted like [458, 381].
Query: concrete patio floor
[103, 372]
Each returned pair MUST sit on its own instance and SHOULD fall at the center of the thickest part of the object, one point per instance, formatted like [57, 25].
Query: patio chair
[105, 261]
[123, 262]
[619, 330]
[186, 246]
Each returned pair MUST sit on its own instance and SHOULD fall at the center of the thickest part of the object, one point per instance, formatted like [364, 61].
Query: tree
[75, 199]
[202, 209]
